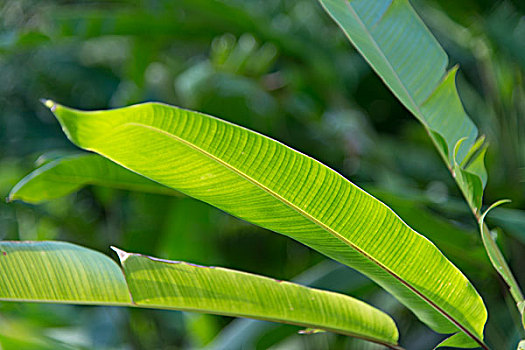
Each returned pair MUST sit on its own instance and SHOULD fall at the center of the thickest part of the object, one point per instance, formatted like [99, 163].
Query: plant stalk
[500, 264]
[491, 247]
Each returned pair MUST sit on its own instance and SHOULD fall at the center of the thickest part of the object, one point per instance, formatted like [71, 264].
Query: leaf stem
[495, 255]
[498, 261]
[500, 264]
[491, 247]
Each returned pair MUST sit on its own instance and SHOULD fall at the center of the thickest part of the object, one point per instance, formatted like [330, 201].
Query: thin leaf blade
[403, 52]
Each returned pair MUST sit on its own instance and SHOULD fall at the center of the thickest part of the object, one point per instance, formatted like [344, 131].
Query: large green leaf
[263, 181]
[398, 46]
[61, 272]
[68, 174]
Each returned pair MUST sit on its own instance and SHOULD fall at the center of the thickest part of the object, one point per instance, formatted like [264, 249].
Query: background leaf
[397, 45]
[65, 175]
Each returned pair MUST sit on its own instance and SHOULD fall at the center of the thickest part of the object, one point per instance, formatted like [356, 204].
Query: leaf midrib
[302, 213]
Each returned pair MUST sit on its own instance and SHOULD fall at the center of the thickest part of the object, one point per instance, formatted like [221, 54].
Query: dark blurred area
[281, 68]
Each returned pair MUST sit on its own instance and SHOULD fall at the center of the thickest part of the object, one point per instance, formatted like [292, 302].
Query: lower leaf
[61, 272]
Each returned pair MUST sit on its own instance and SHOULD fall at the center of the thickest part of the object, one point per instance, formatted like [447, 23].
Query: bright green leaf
[183, 286]
[265, 182]
[59, 272]
[66, 174]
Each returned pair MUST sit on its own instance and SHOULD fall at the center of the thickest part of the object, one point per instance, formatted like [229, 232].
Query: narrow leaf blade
[403, 52]
[398, 46]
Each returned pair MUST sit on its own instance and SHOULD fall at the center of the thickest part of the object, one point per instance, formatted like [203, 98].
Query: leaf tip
[122, 255]
[49, 104]
[12, 196]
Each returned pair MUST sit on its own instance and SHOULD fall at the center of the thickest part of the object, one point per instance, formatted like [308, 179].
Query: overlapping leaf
[65, 175]
[61, 272]
[264, 182]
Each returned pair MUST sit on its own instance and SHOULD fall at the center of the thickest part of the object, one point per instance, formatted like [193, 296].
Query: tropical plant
[167, 150]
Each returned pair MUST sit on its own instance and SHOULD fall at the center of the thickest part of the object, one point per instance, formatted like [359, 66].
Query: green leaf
[61, 272]
[183, 286]
[472, 176]
[68, 174]
[263, 181]
[395, 42]
[399, 47]
[470, 185]
[496, 256]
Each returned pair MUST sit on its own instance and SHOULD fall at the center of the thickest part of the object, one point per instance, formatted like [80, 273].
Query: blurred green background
[281, 68]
